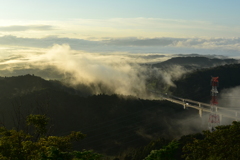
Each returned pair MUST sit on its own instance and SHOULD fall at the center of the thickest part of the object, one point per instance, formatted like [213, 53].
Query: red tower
[214, 119]
[214, 83]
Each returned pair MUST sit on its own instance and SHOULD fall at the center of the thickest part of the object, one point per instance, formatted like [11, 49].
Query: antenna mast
[214, 119]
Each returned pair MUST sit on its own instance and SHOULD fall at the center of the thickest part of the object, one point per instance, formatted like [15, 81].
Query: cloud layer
[114, 72]
[222, 46]
[15, 28]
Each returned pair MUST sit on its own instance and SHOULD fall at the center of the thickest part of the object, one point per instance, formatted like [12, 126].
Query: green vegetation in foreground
[222, 144]
[37, 145]
[33, 143]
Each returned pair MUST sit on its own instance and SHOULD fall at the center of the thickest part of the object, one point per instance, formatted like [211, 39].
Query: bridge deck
[202, 107]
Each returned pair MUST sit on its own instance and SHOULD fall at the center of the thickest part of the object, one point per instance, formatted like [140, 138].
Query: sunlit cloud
[15, 28]
[132, 44]
[117, 72]
[119, 27]
[136, 40]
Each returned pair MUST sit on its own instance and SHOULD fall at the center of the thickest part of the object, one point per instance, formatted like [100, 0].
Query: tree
[165, 153]
[142, 152]
[20, 145]
[223, 143]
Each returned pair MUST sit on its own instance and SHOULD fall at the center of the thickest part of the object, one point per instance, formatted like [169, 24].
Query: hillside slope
[112, 123]
[194, 62]
[196, 85]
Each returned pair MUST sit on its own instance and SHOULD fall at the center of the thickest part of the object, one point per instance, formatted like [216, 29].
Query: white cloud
[15, 28]
[116, 72]
[227, 46]
[121, 27]
[230, 98]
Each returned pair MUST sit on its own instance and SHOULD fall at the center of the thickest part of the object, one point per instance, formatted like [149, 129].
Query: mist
[229, 98]
[110, 73]
[115, 73]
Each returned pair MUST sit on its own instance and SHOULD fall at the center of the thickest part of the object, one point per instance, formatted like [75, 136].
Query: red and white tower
[214, 119]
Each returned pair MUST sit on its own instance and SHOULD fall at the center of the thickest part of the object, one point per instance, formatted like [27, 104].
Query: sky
[127, 29]
[105, 26]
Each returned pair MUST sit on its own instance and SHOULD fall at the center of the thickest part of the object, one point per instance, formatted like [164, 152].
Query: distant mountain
[164, 75]
[194, 62]
[47, 73]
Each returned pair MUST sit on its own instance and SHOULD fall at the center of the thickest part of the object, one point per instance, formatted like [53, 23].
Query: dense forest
[115, 126]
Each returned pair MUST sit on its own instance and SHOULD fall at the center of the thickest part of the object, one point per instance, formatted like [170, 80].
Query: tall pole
[214, 119]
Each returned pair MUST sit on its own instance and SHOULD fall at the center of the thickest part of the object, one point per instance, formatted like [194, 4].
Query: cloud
[115, 73]
[45, 42]
[126, 42]
[159, 45]
[119, 27]
[15, 28]
[10, 58]
[142, 42]
[178, 42]
[229, 98]
[121, 73]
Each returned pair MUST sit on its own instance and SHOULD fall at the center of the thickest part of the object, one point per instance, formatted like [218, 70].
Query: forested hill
[196, 85]
[27, 84]
[113, 123]
[194, 62]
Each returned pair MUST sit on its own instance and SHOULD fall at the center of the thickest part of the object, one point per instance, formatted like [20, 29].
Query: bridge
[204, 107]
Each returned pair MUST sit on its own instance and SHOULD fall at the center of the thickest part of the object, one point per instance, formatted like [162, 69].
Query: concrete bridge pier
[185, 105]
[220, 118]
[200, 112]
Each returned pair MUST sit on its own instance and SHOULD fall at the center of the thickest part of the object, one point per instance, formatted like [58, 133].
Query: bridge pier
[220, 117]
[185, 105]
[200, 112]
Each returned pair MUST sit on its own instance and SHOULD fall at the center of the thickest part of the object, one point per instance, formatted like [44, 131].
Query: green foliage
[86, 155]
[19, 145]
[142, 152]
[55, 154]
[16, 145]
[39, 122]
[224, 143]
[165, 153]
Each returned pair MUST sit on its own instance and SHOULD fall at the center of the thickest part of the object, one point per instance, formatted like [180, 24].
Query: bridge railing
[204, 107]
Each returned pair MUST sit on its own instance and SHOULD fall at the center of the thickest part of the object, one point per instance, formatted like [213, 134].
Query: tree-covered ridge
[121, 122]
[120, 119]
[26, 84]
[195, 62]
[114, 124]
[196, 85]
